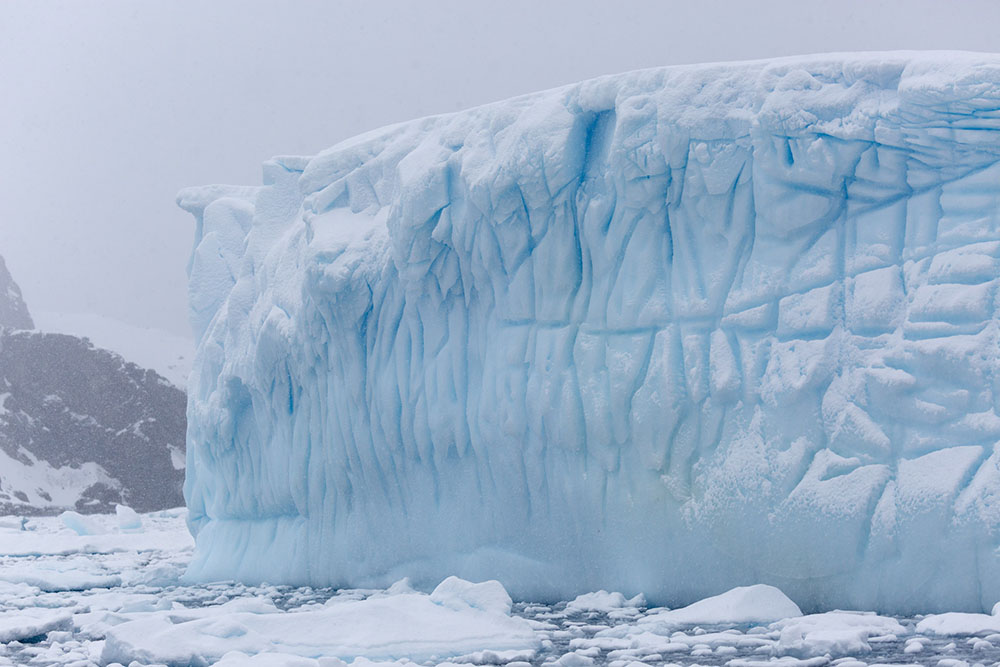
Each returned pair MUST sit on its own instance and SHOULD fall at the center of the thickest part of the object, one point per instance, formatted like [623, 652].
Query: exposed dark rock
[80, 427]
[68, 403]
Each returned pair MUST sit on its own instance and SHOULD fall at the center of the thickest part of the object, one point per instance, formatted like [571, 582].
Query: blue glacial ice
[667, 332]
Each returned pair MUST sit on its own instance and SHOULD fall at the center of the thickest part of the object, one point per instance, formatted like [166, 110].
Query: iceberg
[667, 332]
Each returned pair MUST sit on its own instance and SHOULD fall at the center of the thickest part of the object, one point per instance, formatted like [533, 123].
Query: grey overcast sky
[107, 108]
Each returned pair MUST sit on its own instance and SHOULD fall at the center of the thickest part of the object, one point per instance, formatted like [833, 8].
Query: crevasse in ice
[668, 332]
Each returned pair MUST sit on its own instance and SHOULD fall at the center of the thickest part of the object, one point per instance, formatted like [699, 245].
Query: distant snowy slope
[166, 353]
[81, 427]
[671, 331]
[13, 311]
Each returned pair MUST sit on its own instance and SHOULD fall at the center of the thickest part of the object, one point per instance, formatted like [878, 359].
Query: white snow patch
[64, 485]
[177, 457]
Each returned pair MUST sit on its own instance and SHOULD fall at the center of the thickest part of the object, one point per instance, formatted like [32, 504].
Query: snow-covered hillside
[81, 427]
[671, 331]
[168, 354]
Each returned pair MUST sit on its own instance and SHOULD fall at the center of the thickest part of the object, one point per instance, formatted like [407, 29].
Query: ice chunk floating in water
[668, 332]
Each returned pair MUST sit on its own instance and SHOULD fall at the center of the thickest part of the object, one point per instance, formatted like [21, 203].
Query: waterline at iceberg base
[671, 332]
[107, 591]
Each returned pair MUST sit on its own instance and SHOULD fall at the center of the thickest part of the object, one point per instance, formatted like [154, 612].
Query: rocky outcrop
[13, 311]
[81, 427]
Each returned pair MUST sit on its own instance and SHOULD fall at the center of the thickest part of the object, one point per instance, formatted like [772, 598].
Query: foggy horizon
[110, 111]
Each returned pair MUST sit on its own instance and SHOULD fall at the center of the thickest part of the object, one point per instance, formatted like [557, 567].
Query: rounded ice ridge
[667, 332]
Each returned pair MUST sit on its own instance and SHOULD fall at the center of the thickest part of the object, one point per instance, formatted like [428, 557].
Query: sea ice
[959, 623]
[128, 520]
[165, 621]
[603, 601]
[834, 633]
[671, 332]
[746, 604]
[26, 624]
[415, 626]
[80, 524]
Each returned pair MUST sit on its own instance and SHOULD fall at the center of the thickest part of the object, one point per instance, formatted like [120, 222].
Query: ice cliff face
[671, 331]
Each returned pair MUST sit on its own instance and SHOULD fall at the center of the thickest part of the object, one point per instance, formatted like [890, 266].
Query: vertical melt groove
[670, 332]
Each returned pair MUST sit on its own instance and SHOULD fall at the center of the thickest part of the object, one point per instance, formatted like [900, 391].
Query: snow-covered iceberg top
[668, 332]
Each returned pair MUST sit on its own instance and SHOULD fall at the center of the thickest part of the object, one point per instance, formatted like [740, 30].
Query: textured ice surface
[411, 625]
[149, 617]
[669, 332]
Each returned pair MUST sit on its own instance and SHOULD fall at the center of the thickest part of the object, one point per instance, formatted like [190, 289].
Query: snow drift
[668, 332]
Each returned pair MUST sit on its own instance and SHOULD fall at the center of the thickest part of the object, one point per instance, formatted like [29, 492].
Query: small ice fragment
[574, 660]
[746, 604]
[401, 586]
[128, 519]
[457, 594]
[603, 601]
[80, 524]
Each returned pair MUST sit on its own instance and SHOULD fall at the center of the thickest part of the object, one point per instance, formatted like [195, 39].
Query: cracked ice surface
[670, 332]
